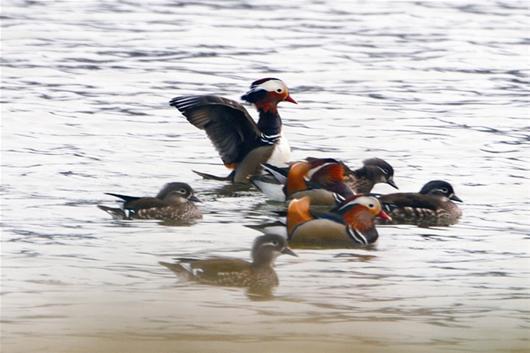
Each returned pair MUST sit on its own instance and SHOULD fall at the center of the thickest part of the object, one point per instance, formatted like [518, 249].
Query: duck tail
[207, 176]
[178, 269]
[297, 213]
[279, 173]
[116, 213]
[269, 186]
[123, 197]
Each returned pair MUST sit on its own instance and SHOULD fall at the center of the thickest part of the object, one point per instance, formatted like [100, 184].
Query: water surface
[438, 89]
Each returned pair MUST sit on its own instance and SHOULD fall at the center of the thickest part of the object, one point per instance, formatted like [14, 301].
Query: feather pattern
[227, 123]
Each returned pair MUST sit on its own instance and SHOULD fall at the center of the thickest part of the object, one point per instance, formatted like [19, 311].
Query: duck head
[266, 93]
[268, 247]
[358, 212]
[375, 170]
[296, 177]
[330, 174]
[380, 171]
[327, 170]
[177, 193]
[440, 188]
[355, 204]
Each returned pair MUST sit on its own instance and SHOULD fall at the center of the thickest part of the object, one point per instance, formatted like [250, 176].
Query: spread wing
[226, 122]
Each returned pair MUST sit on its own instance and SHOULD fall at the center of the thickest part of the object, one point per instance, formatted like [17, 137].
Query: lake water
[438, 88]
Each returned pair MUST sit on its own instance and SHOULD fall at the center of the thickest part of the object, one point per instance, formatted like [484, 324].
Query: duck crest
[328, 173]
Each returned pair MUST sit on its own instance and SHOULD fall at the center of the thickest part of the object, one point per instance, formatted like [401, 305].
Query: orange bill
[384, 215]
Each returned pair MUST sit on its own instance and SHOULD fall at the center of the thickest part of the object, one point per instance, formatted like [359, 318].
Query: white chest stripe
[361, 239]
[270, 139]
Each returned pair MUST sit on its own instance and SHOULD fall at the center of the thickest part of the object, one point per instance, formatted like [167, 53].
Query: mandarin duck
[350, 224]
[174, 202]
[320, 179]
[242, 144]
[432, 206]
[256, 275]
[374, 171]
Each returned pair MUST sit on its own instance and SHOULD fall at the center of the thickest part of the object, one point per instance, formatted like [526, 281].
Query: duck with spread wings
[242, 144]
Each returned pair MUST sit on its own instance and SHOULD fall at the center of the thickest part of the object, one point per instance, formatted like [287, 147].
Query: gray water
[438, 89]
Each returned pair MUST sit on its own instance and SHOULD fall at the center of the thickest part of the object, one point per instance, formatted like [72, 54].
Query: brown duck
[174, 202]
[432, 206]
[374, 170]
[257, 275]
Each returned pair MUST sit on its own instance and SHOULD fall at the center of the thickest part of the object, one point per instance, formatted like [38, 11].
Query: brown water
[438, 89]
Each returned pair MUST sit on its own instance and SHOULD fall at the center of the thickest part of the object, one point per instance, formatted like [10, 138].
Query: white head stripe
[316, 169]
[272, 85]
[383, 170]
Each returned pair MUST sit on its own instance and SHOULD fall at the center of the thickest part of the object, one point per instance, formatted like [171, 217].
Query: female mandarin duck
[374, 170]
[257, 275]
[351, 225]
[242, 144]
[322, 180]
[432, 206]
[174, 202]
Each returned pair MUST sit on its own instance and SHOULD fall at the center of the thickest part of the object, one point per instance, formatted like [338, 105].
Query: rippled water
[438, 89]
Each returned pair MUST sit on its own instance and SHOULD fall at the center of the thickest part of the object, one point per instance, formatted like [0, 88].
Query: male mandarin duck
[432, 206]
[257, 275]
[351, 224]
[374, 170]
[322, 180]
[242, 144]
[174, 202]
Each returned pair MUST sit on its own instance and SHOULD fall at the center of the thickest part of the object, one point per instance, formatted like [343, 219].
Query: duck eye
[371, 205]
[182, 191]
[444, 190]
[279, 90]
[274, 243]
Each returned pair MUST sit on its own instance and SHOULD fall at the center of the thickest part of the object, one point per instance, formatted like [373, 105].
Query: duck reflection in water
[257, 276]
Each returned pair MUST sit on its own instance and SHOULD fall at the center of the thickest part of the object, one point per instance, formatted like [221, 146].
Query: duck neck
[269, 123]
[361, 181]
[263, 261]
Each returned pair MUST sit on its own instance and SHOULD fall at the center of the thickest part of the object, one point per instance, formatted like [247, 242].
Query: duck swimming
[349, 225]
[432, 206]
[258, 275]
[174, 202]
[320, 179]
